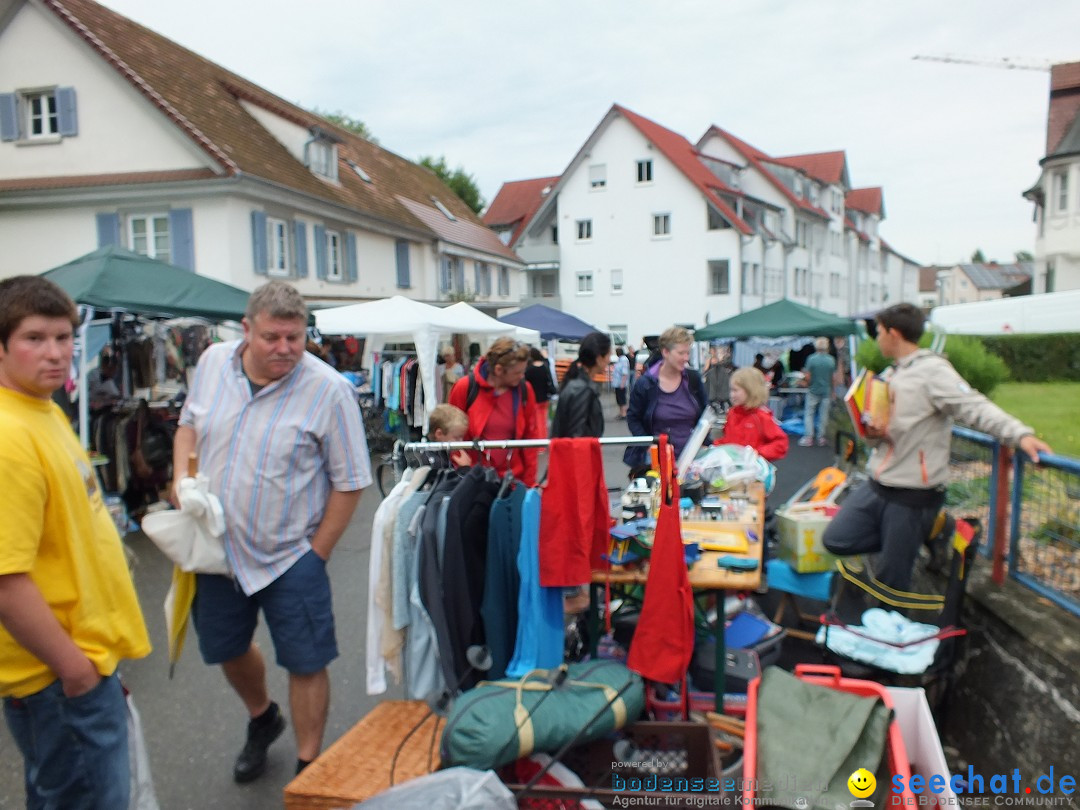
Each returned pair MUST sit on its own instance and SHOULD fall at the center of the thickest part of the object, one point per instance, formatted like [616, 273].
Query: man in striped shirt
[279, 434]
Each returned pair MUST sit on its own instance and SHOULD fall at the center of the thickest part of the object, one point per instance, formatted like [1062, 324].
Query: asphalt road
[195, 725]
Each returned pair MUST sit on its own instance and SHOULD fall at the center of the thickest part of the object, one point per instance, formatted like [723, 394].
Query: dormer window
[320, 154]
[443, 210]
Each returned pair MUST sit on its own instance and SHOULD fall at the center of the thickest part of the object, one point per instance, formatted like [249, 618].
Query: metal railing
[974, 471]
[1044, 547]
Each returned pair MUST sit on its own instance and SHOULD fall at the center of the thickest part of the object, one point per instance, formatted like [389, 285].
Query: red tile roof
[685, 156]
[204, 100]
[867, 200]
[516, 203]
[826, 167]
[756, 158]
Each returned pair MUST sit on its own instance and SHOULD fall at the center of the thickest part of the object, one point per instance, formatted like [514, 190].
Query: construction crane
[1006, 62]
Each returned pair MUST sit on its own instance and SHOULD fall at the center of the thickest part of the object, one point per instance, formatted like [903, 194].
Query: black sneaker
[260, 734]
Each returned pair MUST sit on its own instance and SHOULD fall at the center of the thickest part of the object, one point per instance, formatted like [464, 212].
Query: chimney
[1064, 103]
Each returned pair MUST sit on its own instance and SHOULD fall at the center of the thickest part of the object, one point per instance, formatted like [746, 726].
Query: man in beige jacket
[892, 514]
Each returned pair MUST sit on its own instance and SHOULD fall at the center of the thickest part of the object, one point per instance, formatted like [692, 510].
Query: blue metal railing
[972, 449]
[1044, 536]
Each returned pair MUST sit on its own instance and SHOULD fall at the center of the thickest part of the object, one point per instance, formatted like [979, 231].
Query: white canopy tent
[1024, 314]
[400, 318]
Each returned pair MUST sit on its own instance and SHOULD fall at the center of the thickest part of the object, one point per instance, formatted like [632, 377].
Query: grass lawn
[1053, 409]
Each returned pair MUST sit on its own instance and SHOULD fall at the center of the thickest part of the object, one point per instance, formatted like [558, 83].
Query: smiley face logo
[861, 783]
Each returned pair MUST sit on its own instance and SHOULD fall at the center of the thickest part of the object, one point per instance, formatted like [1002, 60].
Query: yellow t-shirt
[54, 526]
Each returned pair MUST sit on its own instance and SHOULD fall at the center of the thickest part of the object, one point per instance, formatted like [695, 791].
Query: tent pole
[84, 396]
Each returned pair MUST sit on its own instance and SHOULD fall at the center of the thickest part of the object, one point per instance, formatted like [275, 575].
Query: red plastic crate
[829, 676]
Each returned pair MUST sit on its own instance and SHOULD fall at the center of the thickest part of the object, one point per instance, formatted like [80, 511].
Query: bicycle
[390, 468]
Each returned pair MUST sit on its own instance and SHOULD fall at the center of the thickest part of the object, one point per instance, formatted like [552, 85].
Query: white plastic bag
[143, 796]
[452, 789]
[191, 537]
[726, 465]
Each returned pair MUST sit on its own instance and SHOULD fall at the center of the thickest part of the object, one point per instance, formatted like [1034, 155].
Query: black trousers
[870, 523]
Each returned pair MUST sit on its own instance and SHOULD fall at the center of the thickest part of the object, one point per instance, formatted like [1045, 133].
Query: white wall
[1059, 241]
[664, 278]
[37, 50]
[38, 240]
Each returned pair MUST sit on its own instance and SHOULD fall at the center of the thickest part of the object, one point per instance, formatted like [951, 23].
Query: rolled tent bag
[500, 721]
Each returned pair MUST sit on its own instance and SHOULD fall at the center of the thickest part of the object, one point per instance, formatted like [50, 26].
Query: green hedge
[1038, 358]
[971, 359]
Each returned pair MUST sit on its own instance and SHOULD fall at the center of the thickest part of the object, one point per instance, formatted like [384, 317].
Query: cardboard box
[921, 739]
[800, 527]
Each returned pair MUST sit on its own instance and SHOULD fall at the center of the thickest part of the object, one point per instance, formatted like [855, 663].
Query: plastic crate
[830, 676]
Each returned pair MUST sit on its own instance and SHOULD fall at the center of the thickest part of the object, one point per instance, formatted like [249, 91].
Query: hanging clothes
[502, 581]
[575, 517]
[664, 639]
[540, 630]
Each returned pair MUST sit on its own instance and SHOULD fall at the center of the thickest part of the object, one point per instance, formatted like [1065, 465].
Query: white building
[644, 230]
[111, 133]
[1057, 193]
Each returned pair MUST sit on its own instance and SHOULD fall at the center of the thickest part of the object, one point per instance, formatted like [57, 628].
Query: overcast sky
[511, 90]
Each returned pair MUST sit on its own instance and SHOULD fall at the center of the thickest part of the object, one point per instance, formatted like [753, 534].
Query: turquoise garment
[820, 366]
[540, 631]
[502, 581]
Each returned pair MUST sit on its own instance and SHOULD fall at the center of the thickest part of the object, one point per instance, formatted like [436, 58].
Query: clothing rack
[506, 444]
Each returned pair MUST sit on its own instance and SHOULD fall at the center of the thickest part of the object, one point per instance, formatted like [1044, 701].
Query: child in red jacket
[748, 421]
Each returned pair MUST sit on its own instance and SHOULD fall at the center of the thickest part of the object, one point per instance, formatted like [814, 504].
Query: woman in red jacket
[748, 421]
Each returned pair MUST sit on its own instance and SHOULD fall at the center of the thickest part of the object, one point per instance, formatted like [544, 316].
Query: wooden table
[706, 575]
[357, 766]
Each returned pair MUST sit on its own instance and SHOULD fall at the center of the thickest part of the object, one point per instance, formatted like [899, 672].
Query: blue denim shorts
[298, 610]
[75, 750]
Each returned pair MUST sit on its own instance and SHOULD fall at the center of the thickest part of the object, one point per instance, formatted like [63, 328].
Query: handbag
[192, 536]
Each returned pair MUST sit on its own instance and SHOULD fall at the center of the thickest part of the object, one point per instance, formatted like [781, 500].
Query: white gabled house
[111, 133]
[644, 230]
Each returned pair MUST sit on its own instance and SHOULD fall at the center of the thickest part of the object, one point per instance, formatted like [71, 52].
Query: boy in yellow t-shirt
[68, 610]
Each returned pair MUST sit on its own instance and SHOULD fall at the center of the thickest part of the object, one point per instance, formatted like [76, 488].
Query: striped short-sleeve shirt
[274, 457]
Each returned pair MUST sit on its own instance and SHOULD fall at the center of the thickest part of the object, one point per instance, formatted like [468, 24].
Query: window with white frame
[483, 279]
[554, 234]
[504, 280]
[834, 285]
[774, 280]
[719, 281]
[277, 232]
[584, 229]
[335, 262]
[715, 221]
[620, 332]
[321, 158]
[598, 176]
[1061, 191]
[616, 281]
[661, 224]
[585, 283]
[42, 116]
[802, 234]
[644, 171]
[148, 234]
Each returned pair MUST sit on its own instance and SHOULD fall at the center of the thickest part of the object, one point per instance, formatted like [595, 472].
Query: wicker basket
[358, 765]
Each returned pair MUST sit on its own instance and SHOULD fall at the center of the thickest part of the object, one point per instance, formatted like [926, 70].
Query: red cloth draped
[574, 514]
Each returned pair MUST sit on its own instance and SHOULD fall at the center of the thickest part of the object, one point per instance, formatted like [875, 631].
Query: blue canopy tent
[550, 323]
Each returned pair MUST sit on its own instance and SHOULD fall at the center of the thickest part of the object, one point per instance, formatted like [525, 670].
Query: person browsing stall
[68, 609]
[278, 433]
[538, 375]
[892, 513]
[620, 381]
[748, 421]
[669, 397]
[500, 406]
[448, 424]
[819, 370]
[579, 412]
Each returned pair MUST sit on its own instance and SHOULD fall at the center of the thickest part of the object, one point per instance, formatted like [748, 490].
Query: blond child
[448, 423]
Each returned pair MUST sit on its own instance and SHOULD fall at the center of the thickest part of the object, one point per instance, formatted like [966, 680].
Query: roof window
[359, 171]
[444, 210]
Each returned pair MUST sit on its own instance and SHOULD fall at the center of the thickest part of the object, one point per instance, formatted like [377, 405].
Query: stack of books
[868, 402]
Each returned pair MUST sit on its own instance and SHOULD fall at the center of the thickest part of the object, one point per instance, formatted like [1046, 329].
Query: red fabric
[755, 428]
[541, 420]
[522, 462]
[664, 639]
[500, 424]
[574, 514]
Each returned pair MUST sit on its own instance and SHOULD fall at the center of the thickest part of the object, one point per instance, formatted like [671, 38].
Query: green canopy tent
[114, 278]
[778, 319]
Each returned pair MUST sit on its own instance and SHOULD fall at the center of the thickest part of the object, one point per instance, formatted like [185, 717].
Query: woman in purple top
[667, 398]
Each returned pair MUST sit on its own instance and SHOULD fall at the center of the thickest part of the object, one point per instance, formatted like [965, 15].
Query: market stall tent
[779, 319]
[1023, 314]
[552, 324]
[406, 319]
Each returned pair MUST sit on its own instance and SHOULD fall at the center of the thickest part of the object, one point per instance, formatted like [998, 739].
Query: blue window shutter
[402, 248]
[321, 264]
[258, 243]
[301, 250]
[182, 238]
[108, 229]
[9, 117]
[351, 270]
[66, 111]
[459, 275]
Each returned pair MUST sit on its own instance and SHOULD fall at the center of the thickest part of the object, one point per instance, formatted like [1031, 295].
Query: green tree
[346, 121]
[977, 257]
[460, 182]
[1024, 256]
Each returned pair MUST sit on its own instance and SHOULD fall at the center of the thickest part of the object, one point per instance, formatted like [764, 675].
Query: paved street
[194, 724]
